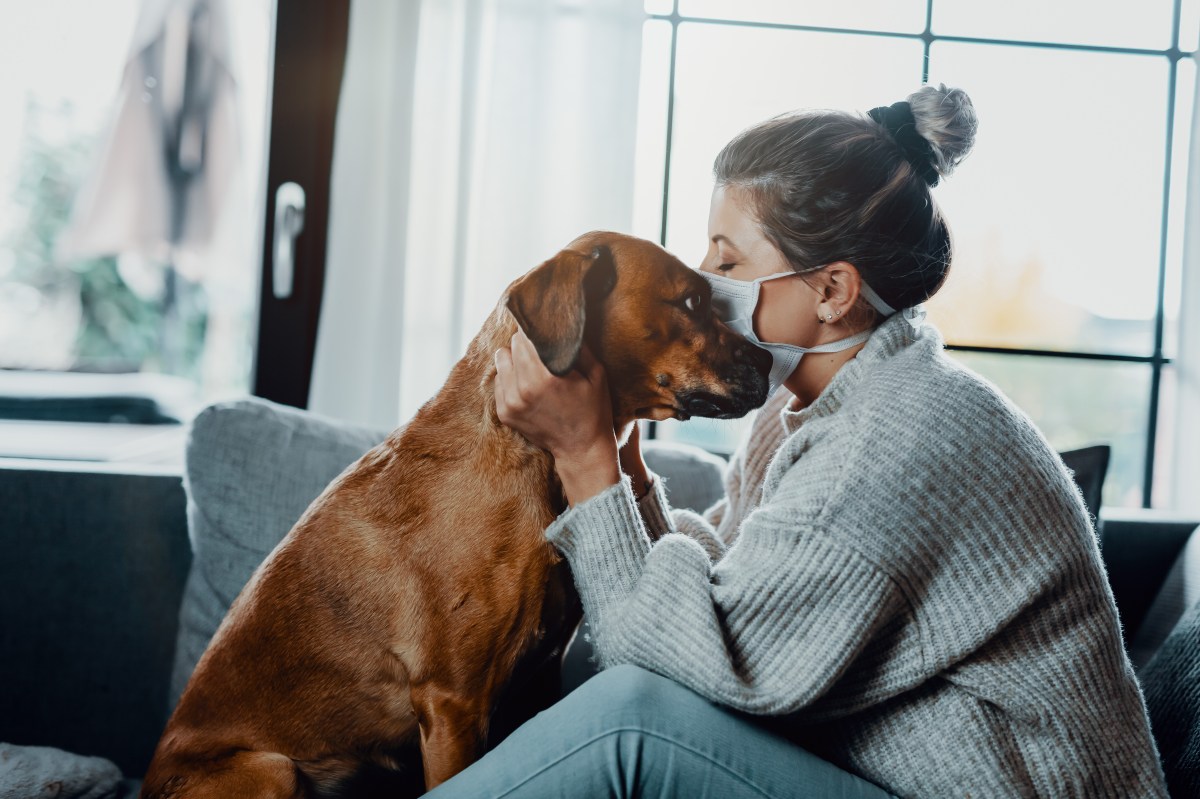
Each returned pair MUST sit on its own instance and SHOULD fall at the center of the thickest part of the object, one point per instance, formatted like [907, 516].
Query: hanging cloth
[163, 172]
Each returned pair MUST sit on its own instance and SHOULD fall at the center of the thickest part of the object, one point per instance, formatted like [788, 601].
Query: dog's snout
[756, 356]
[702, 405]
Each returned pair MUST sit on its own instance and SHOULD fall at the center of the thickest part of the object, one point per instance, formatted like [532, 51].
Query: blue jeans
[630, 733]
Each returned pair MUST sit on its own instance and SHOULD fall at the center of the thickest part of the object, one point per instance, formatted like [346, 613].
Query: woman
[900, 594]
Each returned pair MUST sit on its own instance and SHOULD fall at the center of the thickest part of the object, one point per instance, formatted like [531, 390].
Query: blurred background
[150, 261]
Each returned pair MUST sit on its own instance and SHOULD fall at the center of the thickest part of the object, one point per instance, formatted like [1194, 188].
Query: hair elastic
[898, 120]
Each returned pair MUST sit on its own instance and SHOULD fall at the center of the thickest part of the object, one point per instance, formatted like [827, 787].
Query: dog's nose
[700, 405]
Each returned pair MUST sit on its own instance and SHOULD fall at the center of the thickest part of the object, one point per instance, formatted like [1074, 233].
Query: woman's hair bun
[946, 119]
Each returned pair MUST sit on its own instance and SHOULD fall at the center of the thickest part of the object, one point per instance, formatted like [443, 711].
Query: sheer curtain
[475, 139]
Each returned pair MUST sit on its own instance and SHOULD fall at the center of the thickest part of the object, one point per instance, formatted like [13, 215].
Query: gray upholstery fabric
[1179, 591]
[253, 467]
[1171, 684]
[692, 477]
[43, 772]
[93, 558]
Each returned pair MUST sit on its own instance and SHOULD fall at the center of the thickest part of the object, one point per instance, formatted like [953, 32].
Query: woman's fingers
[507, 391]
[633, 441]
[503, 363]
[591, 368]
[532, 374]
[566, 414]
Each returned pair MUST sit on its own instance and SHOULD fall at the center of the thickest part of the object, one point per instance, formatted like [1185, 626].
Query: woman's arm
[652, 503]
[716, 527]
[768, 629]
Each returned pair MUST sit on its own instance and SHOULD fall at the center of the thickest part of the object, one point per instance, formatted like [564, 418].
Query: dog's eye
[693, 302]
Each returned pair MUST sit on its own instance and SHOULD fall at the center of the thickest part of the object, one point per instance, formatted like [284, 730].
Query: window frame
[309, 55]
[1157, 360]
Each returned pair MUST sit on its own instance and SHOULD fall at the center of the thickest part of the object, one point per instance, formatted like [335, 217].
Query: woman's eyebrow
[722, 237]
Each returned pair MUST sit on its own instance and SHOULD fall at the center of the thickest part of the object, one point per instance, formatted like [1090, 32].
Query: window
[1067, 216]
[99, 323]
[108, 333]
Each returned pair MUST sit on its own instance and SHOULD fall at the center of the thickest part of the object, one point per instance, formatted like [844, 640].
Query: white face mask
[735, 301]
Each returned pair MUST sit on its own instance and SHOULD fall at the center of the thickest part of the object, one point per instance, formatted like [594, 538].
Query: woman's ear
[839, 286]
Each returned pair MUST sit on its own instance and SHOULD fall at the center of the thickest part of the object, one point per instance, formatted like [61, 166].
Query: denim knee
[632, 694]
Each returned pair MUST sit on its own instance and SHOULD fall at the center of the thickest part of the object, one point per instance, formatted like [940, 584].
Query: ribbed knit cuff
[606, 545]
[697, 528]
[654, 510]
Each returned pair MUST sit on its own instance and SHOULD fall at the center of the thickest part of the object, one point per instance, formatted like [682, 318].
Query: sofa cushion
[692, 477]
[1171, 684]
[252, 468]
[1179, 592]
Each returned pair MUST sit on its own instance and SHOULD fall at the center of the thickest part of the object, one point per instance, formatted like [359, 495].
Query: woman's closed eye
[725, 267]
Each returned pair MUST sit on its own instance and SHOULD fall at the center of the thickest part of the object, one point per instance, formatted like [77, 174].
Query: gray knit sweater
[903, 571]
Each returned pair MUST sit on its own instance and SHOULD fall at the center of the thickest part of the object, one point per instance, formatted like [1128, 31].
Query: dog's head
[648, 319]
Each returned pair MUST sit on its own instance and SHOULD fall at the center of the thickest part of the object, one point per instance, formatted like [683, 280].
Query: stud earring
[828, 316]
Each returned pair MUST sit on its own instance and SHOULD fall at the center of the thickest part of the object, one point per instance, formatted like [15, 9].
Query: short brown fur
[413, 589]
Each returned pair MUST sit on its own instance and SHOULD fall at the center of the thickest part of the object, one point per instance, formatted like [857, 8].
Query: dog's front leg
[453, 730]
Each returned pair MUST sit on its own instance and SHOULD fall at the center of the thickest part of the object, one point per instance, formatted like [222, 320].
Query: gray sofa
[106, 603]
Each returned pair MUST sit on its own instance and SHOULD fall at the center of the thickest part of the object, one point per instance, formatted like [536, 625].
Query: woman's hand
[570, 416]
[634, 465]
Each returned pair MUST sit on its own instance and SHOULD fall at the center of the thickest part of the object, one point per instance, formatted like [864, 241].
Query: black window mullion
[674, 19]
[926, 41]
[1160, 310]
[652, 426]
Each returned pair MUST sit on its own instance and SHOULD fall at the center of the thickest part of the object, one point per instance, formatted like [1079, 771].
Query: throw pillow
[252, 468]
[1089, 466]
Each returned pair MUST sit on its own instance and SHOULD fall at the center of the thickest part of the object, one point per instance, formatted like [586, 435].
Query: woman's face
[787, 308]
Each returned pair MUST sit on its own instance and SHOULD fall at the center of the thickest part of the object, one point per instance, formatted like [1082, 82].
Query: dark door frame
[309, 58]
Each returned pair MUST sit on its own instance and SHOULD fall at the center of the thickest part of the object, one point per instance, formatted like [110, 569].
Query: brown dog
[419, 585]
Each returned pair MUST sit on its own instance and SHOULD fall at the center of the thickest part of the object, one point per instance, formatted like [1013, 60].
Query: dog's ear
[551, 303]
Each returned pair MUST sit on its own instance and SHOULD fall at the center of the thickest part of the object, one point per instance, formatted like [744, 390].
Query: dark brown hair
[834, 186]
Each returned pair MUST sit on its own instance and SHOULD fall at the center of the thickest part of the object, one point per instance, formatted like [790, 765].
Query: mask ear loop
[915, 316]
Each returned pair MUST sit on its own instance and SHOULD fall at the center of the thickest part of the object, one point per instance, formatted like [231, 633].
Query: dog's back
[421, 566]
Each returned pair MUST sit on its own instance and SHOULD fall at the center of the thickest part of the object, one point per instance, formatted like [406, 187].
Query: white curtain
[475, 138]
[1185, 469]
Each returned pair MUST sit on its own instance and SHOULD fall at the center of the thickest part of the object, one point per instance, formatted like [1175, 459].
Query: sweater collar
[893, 336]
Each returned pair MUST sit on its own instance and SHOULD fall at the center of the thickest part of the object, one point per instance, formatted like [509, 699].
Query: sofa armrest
[1139, 548]
[93, 564]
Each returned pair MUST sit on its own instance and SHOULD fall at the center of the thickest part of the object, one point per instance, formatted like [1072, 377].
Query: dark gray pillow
[1089, 466]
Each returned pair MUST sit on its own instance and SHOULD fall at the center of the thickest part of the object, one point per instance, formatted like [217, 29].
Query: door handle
[289, 223]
